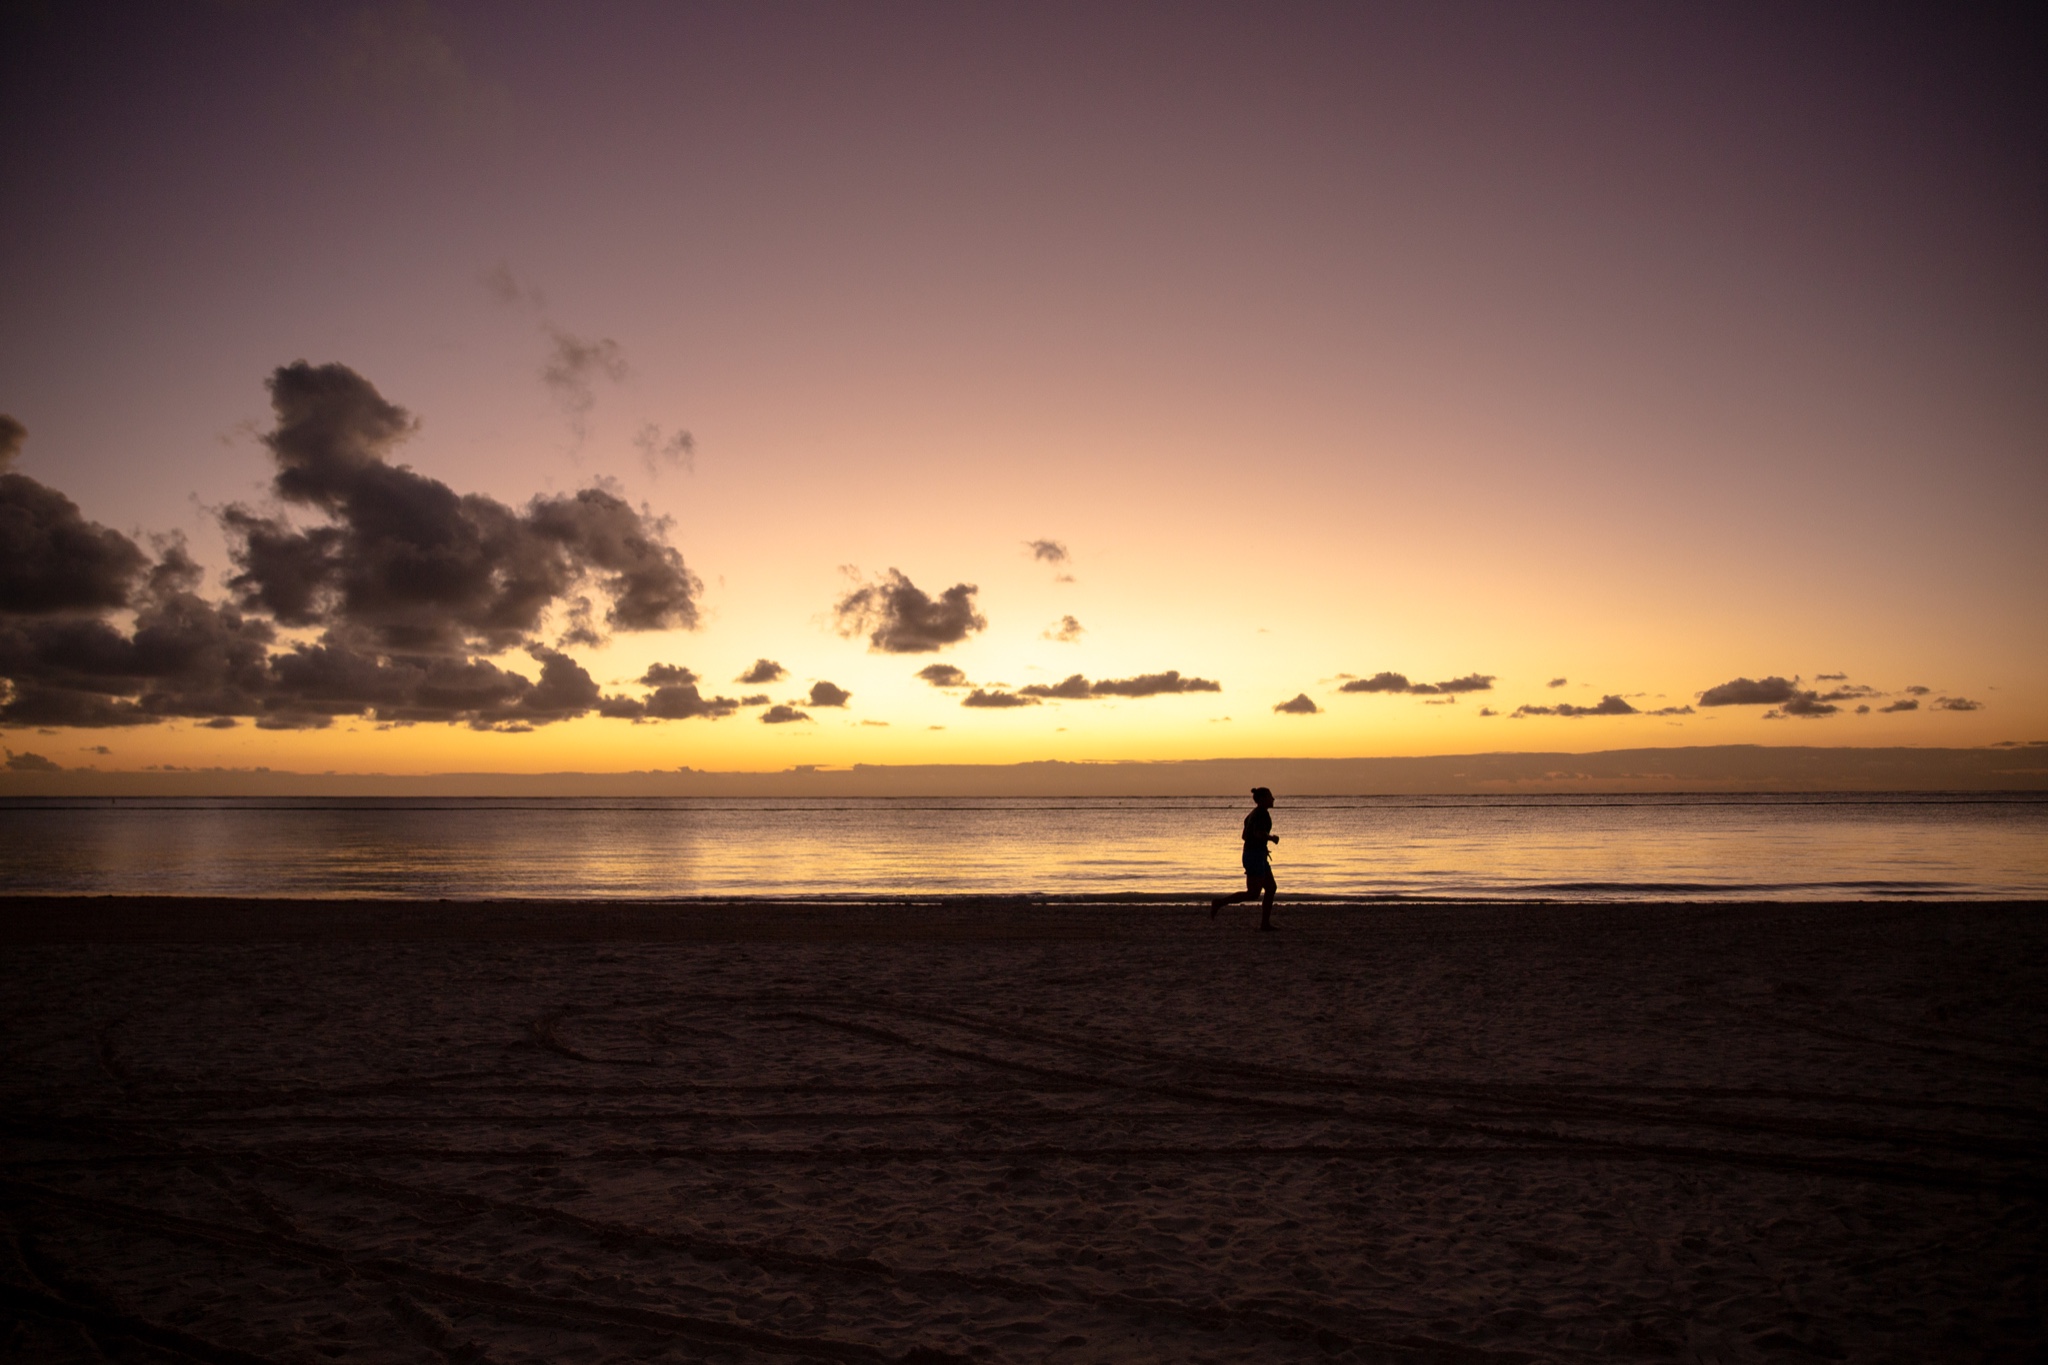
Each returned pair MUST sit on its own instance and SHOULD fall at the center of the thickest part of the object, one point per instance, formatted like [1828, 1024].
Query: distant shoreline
[1692, 769]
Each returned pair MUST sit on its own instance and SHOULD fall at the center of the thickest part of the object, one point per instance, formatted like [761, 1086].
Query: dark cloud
[1074, 688]
[1153, 685]
[1609, 705]
[901, 619]
[415, 566]
[51, 558]
[219, 723]
[827, 694]
[1956, 704]
[30, 763]
[1078, 688]
[503, 285]
[182, 657]
[782, 715]
[1557, 682]
[1770, 691]
[1802, 705]
[1852, 692]
[997, 700]
[1488, 711]
[1050, 551]
[658, 452]
[757, 699]
[572, 370]
[1671, 711]
[405, 581]
[674, 697]
[1300, 705]
[763, 671]
[942, 675]
[1915, 690]
[1903, 704]
[1398, 683]
[1066, 630]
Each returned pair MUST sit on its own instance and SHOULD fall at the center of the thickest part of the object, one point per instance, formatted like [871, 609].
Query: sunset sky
[1050, 381]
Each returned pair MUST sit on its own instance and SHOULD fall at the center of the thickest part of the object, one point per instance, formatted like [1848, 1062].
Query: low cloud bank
[1398, 683]
[1078, 688]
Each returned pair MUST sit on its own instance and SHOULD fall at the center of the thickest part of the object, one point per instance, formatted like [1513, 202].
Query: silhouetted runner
[1258, 869]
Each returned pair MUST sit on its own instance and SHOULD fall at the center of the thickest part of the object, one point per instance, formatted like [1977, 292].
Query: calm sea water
[1578, 847]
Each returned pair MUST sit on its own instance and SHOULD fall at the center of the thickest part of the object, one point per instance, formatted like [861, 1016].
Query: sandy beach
[309, 1131]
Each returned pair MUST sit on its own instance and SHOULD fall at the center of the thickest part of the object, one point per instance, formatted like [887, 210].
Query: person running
[1258, 868]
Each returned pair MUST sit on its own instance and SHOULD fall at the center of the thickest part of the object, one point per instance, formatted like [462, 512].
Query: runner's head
[1262, 795]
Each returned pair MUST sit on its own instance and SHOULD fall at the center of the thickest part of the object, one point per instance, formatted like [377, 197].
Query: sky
[446, 387]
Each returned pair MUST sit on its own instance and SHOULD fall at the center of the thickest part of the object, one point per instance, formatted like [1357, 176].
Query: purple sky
[1647, 346]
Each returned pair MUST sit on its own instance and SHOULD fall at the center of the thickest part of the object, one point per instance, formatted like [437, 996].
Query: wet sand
[306, 1131]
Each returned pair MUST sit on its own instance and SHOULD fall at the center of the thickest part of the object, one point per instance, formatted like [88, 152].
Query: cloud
[504, 286]
[1078, 688]
[677, 451]
[1915, 690]
[1557, 682]
[12, 435]
[410, 564]
[997, 700]
[1609, 705]
[1831, 677]
[1300, 705]
[572, 370]
[30, 763]
[1956, 704]
[51, 558]
[1852, 692]
[1047, 551]
[1066, 630]
[901, 619]
[1153, 685]
[1398, 683]
[1671, 711]
[1488, 711]
[1903, 704]
[675, 696]
[826, 694]
[942, 675]
[1770, 691]
[782, 715]
[763, 671]
[1074, 688]
[405, 581]
[1808, 706]
[757, 699]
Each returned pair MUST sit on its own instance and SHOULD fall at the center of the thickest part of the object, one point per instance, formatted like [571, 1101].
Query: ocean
[1578, 847]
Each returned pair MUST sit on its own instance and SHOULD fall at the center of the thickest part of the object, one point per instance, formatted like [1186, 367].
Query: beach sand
[547, 1132]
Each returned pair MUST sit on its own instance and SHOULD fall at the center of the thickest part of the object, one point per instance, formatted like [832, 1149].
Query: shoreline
[114, 919]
